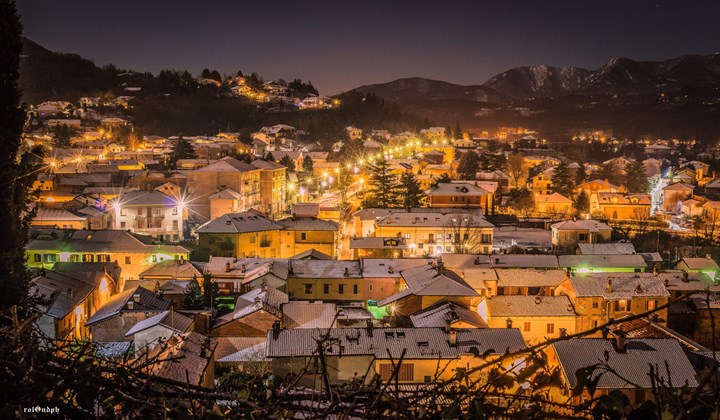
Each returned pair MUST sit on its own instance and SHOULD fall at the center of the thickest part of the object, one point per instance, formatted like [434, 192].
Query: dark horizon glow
[339, 45]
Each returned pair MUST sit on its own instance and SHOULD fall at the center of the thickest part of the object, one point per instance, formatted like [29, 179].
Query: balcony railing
[265, 243]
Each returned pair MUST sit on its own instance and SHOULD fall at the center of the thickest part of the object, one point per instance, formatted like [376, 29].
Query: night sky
[339, 45]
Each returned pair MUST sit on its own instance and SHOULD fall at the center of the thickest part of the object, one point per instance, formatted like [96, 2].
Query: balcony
[265, 243]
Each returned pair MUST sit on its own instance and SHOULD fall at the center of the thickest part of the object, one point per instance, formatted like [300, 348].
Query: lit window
[621, 305]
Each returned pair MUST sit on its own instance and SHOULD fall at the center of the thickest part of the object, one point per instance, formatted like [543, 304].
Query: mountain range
[679, 97]
[619, 77]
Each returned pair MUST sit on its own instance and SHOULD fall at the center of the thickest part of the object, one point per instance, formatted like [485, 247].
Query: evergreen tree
[448, 132]
[410, 188]
[244, 157]
[493, 161]
[563, 180]
[182, 149]
[210, 290]
[636, 179]
[15, 190]
[580, 174]
[468, 166]
[215, 75]
[442, 179]
[61, 136]
[193, 298]
[522, 201]
[254, 81]
[307, 164]
[269, 157]
[288, 163]
[382, 187]
[458, 131]
[609, 172]
[582, 203]
[205, 74]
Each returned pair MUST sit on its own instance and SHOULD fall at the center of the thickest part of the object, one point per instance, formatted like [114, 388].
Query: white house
[150, 213]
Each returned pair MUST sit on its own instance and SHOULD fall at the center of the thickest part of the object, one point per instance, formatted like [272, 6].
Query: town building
[151, 213]
[132, 252]
[568, 234]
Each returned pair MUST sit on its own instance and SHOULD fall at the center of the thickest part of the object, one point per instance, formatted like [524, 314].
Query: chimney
[182, 260]
[538, 299]
[440, 266]
[609, 288]
[452, 336]
[667, 282]
[391, 269]
[708, 256]
[131, 305]
[497, 261]
[477, 260]
[227, 266]
[136, 297]
[157, 286]
[276, 330]
[243, 268]
[619, 341]
[509, 323]
[70, 293]
[369, 327]
[160, 294]
[655, 270]
[346, 273]
[686, 278]
[563, 332]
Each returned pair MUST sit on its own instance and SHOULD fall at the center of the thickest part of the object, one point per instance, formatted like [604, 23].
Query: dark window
[37, 258]
[303, 236]
[550, 328]
[326, 288]
[355, 289]
[583, 237]
[639, 396]
[595, 305]
[341, 288]
[308, 288]
[127, 260]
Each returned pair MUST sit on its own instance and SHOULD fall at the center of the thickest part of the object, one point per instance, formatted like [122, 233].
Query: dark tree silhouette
[15, 175]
